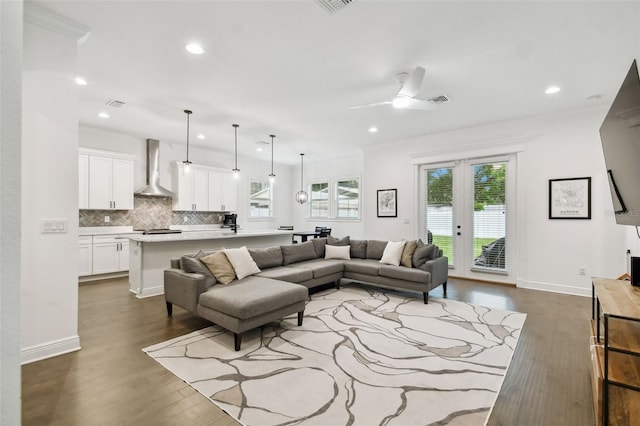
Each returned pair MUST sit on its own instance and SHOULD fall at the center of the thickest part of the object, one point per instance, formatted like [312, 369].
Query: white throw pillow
[242, 262]
[393, 253]
[337, 252]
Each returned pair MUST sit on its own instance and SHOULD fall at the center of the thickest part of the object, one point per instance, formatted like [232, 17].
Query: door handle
[459, 233]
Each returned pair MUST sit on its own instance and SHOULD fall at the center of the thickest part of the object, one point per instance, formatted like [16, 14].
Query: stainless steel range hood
[153, 188]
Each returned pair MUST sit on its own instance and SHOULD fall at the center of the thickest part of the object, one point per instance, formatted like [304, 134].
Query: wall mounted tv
[620, 135]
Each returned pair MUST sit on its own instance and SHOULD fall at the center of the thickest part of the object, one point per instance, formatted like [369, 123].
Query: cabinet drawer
[87, 239]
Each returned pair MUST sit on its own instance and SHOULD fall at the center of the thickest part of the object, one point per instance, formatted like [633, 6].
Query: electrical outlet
[107, 219]
[185, 219]
[582, 271]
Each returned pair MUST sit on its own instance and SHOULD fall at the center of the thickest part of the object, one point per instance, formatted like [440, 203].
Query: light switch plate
[53, 226]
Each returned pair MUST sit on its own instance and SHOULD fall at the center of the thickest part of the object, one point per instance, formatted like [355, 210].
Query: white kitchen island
[150, 255]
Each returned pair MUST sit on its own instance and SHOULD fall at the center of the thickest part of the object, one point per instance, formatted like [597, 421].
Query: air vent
[332, 6]
[439, 99]
[115, 103]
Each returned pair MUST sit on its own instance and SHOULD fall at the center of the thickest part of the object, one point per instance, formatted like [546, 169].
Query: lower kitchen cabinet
[108, 254]
[85, 256]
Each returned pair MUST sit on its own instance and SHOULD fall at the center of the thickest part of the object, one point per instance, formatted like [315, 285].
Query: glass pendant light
[236, 170]
[187, 163]
[272, 176]
[301, 196]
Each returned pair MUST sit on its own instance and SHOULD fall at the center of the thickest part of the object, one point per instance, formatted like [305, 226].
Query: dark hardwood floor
[112, 382]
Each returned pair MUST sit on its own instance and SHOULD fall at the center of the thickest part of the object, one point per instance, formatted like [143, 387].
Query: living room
[548, 144]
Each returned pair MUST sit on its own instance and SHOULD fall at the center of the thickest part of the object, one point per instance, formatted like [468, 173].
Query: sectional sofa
[240, 289]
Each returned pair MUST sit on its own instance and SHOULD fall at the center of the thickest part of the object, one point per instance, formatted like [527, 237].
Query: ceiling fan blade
[411, 87]
[420, 104]
[370, 105]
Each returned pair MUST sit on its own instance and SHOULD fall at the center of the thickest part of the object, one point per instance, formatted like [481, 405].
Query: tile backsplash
[148, 212]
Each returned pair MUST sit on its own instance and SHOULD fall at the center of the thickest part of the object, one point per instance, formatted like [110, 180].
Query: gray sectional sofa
[280, 288]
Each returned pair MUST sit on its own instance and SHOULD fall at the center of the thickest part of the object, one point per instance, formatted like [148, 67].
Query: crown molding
[50, 20]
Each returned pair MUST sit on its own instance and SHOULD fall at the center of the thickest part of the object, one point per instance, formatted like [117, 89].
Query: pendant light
[236, 170]
[272, 176]
[187, 163]
[301, 196]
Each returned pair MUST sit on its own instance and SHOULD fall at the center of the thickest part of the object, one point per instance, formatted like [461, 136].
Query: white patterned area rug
[361, 357]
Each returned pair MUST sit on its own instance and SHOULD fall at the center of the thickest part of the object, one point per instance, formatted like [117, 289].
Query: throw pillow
[267, 257]
[422, 255]
[407, 254]
[375, 249]
[220, 267]
[337, 252]
[242, 262]
[358, 249]
[193, 265]
[333, 241]
[294, 253]
[318, 245]
[393, 252]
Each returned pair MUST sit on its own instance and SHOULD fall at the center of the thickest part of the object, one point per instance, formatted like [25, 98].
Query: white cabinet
[110, 254]
[85, 256]
[108, 179]
[83, 181]
[222, 191]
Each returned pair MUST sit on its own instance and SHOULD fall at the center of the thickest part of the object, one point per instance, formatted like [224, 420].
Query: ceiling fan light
[400, 102]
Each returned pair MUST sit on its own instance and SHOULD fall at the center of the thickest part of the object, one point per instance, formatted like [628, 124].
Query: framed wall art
[570, 198]
[387, 203]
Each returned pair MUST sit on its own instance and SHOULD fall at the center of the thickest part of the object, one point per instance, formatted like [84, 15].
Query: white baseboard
[50, 349]
[554, 288]
[150, 291]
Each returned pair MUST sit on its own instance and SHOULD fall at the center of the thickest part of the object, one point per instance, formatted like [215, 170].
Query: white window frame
[332, 198]
[271, 215]
[314, 182]
[335, 197]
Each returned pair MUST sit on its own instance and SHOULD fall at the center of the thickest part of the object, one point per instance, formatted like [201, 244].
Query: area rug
[362, 357]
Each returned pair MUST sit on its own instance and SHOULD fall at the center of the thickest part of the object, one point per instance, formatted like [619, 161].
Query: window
[347, 198]
[260, 198]
[319, 200]
[439, 208]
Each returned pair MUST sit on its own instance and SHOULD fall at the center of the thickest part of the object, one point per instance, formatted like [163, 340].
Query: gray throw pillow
[375, 249]
[333, 241]
[267, 257]
[298, 252]
[318, 245]
[358, 249]
[422, 255]
[420, 243]
[192, 265]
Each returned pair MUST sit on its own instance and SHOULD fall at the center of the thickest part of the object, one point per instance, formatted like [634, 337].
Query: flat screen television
[620, 135]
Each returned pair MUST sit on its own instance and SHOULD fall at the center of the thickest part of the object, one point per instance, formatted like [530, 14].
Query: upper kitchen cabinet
[222, 191]
[110, 180]
[203, 189]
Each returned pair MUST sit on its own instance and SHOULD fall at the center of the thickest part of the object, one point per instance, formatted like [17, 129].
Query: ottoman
[251, 302]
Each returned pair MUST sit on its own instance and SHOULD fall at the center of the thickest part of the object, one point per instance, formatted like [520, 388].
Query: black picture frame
[570, 198]
[387, 202]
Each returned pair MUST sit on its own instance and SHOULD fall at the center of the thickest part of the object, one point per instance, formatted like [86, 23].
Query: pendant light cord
[235, 128]
[301, 171]
[272, 136]
[188, 112]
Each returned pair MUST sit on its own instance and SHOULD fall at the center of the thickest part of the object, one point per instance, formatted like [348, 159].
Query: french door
[467, 210]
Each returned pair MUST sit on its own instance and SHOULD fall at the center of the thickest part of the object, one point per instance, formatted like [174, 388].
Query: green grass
[444, 242]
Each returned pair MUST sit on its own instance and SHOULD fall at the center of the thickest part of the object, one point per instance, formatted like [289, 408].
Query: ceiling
[292, 69]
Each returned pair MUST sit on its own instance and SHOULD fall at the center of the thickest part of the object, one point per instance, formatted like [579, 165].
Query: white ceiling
[292, 69]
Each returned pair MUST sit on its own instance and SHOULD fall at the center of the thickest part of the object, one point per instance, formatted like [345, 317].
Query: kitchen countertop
[205, 235]
[106, 230]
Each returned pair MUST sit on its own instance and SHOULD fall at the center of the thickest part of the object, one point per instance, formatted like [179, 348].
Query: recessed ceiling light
[373, 129]
[81, 81]
[200, 136]
[551, 90]
[194, 48]
[103, 115]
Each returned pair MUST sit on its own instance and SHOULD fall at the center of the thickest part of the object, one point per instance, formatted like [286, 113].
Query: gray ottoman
[251, 302]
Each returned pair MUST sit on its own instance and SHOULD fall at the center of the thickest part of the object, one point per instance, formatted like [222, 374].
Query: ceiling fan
[409, 87]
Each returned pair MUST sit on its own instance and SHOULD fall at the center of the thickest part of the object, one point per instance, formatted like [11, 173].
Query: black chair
[319, 228]
[325, 232]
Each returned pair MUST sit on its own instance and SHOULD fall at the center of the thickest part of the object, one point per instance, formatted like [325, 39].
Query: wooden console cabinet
[616, 353]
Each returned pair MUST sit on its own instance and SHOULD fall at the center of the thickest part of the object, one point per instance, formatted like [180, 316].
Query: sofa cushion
[337, 252]
[241, 261]
[192, 264]
[362, 266]
[220, 267]
[322, 267]
[422, 254]
[407, 254]
[358, 249]
[298, 252]
[333, 241]
[375, 249]
[393, 252]
[267, 257]
[252, 296]
[318, 245]
[406, 274]
[290, 274]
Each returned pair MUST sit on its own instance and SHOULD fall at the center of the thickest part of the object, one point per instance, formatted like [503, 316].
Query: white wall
[10, 124]
[49, 186]
[549, 252]
[170, 152]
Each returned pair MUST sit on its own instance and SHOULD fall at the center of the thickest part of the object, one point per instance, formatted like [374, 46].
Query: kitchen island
[150, 255]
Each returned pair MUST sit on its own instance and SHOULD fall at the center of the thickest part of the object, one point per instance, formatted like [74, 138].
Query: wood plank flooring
[112, 382]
